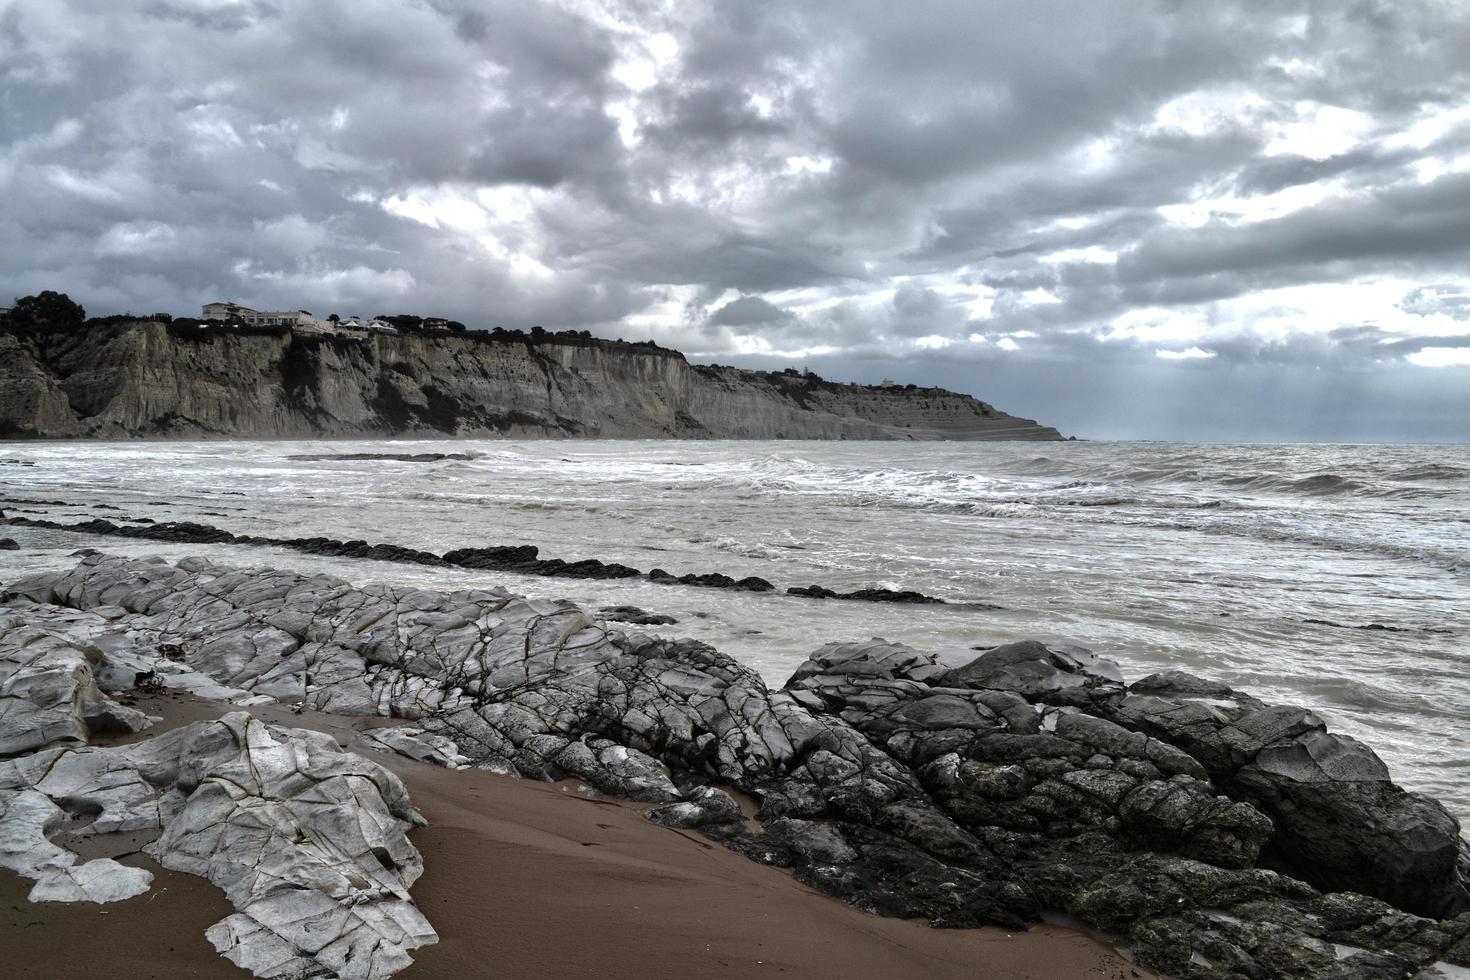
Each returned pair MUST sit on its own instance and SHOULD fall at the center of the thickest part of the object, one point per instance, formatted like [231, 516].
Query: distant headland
[241, 372]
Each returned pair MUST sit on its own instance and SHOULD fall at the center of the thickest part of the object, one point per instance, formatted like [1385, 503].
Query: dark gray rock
[1341, 823]
[1053, 675]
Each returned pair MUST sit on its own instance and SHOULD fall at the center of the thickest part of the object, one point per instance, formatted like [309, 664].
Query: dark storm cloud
[1428, 223]
[227, 18]
[933, 187]
[748, 310]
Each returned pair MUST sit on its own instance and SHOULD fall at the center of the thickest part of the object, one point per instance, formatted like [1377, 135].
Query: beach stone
[100, 881]
[415, 743]
[8, 544]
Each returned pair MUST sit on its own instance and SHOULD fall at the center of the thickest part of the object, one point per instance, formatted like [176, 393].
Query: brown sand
[534, 880]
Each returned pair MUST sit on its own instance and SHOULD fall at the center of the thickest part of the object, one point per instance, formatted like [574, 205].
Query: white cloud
[1441, 357]
[1089, 253]
[1319, 131]
[136, 238]
[1188, 354]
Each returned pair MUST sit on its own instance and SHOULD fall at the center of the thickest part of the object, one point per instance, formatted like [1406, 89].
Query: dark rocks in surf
[866, 595]
[523, 559]
[9, 544]
[712, 580]
[186, 532]
[332, 548]
[635, 616]
[1205, 828]
[505, 556]
[382, 457]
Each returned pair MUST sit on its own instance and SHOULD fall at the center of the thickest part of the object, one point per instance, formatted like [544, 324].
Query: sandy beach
[527, 879]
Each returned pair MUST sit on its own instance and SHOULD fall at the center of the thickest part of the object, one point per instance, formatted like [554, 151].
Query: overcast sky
[1141, 220]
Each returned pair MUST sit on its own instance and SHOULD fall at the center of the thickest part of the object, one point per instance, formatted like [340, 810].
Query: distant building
[298, 319]
[435, 323]
[888, 383]
[4, 312]
[226, 311]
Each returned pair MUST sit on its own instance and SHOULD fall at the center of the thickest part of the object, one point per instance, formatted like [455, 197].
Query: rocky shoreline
[1213, 834]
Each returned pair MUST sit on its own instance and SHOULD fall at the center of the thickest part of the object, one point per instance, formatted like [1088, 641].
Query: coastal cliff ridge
[145, 378]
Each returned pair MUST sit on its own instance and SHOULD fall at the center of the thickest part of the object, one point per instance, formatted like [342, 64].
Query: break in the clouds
[1147, 219]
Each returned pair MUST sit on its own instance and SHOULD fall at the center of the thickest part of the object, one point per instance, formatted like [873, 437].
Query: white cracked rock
[47, 691]
[415, 743]
[101, 880]
[27, 817]
[307, 841]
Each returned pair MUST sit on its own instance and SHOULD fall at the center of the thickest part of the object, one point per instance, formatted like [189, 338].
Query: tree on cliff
[47, 310]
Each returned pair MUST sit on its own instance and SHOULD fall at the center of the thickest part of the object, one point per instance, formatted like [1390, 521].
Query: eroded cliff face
[153, 379]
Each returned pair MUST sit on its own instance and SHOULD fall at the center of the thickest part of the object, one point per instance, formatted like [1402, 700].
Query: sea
[1332, 576]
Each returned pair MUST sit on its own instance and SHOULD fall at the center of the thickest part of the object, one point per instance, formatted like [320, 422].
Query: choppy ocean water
[1332, 576]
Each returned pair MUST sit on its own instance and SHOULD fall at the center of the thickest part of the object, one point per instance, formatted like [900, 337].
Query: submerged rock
[1215, 834]
[635, 616]
[865, 595]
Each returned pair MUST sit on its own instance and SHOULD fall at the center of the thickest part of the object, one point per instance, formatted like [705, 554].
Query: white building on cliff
[295, 319]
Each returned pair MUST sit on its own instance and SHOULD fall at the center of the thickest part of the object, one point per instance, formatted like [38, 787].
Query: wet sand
[526, 879]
